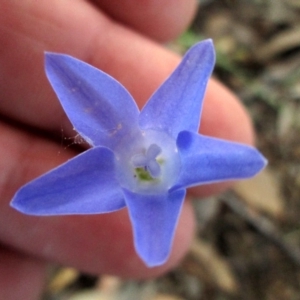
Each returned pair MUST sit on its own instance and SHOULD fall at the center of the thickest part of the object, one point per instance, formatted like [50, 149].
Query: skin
[116, 37]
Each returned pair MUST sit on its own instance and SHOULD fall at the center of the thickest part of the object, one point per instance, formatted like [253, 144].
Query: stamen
[154, 168]
[148, 161]
[148, 165]
[153, 151]
[139, 160]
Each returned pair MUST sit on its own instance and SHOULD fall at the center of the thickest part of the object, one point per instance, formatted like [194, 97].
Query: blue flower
[142, 160]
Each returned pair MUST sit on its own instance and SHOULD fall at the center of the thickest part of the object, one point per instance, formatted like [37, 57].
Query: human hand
[31, 114]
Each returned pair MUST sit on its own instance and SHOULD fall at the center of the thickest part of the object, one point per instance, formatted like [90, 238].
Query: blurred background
[248, 239]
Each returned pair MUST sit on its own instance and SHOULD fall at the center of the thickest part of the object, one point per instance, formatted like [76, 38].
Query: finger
[224, 117]
[21, 277]
[81, 31]
[95, 244]
[161, 20]
[27, 29]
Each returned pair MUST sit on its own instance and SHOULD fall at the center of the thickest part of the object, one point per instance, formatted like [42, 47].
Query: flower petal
[206, 160]
[99, 107]
[154, 219]
[83, 185]
[177, 104]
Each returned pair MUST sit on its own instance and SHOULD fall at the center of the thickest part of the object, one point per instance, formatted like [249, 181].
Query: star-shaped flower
[142, 160]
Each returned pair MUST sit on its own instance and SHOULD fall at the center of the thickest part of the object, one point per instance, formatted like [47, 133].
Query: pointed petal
[99, 107]
[177, 104]
[83, 185]
[154, 219]
[206, 160]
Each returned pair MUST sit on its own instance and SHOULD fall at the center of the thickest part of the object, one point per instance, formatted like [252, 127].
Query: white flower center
[147, 162]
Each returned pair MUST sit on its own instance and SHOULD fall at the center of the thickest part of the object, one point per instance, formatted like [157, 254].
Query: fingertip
[224, 116]
[160, 20]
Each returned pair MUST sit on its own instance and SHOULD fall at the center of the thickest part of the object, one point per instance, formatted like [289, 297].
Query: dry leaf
[216, 269]
[62, 279]
[262, 192]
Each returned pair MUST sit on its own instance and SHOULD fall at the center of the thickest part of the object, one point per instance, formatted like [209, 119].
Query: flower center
[148, 163]
[147, 167]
